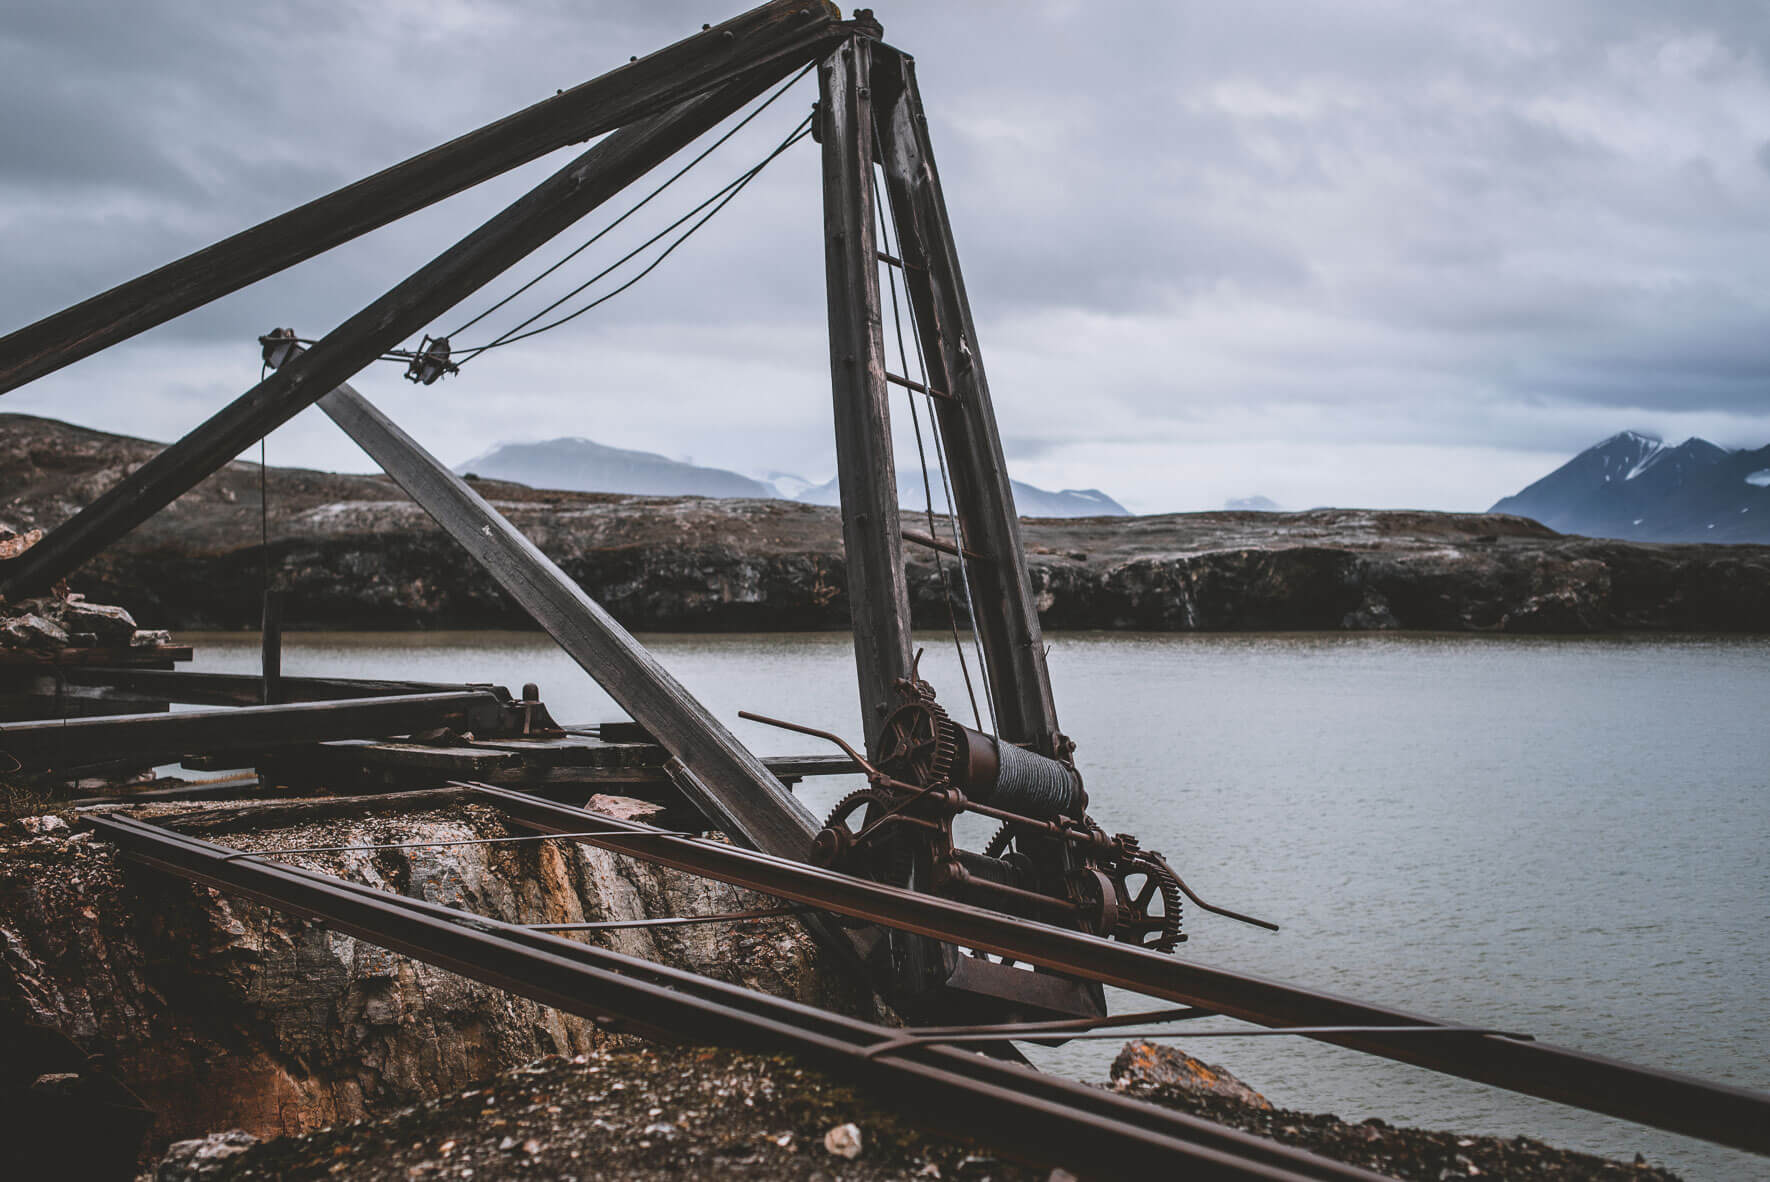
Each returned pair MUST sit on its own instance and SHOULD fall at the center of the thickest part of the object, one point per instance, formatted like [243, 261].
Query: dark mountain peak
[1634, 485]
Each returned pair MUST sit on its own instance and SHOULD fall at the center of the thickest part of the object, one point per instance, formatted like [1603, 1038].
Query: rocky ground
[322, 1056]
[684, 1112]
[354, 553]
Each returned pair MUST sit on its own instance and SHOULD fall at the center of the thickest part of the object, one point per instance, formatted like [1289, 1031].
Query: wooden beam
[238, 689]
[553, 205]
[878, 593]
[910, 535]
[65, 744]
[764, 43]
[727, 783]
[1003, 605]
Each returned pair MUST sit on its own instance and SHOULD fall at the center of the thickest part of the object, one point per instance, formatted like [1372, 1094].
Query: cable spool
[921, 745]
[1031, 784]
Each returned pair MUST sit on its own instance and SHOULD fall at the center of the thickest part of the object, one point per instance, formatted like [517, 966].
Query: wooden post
[554, 204]
[878, 593]
[764, 43]
[1006, 614]
[270, 647]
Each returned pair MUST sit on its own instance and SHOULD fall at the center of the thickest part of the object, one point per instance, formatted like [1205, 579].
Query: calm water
[1565, 837]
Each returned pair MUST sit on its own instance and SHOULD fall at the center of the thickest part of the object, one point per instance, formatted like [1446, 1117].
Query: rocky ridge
[354, 553]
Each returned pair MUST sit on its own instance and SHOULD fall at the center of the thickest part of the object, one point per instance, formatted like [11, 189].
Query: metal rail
[1026, 1114]
[1726, 1115]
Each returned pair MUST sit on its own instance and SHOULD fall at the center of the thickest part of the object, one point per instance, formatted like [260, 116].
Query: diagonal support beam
[728, 783]
[766, 42]
[1006, 613]
[553, 205]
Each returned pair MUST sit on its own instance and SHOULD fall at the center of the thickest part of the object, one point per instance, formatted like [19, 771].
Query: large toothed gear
[919, 744]
[1140, 922]
[883, 857]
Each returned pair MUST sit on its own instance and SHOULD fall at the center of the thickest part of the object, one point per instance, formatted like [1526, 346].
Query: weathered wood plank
[153, 738]
[239, 689]
[878, 592]
[1006, 614]
[729, 785]
[764, 43]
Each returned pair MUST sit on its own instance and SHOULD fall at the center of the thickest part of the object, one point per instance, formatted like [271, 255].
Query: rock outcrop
[220, 1013]
[355, 553]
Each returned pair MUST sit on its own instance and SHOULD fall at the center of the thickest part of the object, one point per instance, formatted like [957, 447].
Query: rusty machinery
[1047, 860]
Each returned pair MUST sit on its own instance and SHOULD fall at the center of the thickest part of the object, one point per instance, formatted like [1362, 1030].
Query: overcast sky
[1366, 253]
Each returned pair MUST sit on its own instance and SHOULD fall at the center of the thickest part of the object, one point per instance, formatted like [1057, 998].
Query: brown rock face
[354, 553]
[220, 1013]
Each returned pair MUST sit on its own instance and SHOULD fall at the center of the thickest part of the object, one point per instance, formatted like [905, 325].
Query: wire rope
[642, 202]
[718, 201]
[946, 485]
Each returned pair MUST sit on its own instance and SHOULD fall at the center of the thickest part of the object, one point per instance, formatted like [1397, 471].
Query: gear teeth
[1172, 901]
[998, 844]
[847, 805]
[888, 860]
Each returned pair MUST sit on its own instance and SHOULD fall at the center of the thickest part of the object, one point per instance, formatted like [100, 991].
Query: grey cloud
[1510, 224]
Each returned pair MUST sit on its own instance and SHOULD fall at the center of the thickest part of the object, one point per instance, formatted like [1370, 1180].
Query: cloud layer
[1368, 253]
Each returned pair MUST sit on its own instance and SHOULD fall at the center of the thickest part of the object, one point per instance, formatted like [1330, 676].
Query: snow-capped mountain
[584, 465]
[1029, 500]
[1638, 487]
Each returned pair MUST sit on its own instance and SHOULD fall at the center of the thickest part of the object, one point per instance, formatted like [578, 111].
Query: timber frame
[871, 124]
[869, 113]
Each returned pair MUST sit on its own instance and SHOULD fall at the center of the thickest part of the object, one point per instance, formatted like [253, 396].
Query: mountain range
[1639, 488]
[583, 465]
[1029, 500]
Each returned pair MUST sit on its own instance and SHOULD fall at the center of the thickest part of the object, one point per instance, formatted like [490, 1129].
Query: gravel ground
[669, 1113]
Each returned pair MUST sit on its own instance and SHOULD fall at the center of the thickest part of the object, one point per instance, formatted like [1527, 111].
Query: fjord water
[1565, 837]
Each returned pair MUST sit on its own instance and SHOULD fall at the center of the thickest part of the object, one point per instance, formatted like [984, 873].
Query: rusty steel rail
[1727, 1115]
[1025, 1113]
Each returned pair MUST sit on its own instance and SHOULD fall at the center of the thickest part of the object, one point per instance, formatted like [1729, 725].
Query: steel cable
[643, 201]
[718, 201]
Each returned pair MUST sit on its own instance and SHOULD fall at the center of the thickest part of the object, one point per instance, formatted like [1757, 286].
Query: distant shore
[353, 553]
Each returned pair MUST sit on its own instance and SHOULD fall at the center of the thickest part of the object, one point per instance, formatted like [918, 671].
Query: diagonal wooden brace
[765, 43]
[552, 206]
